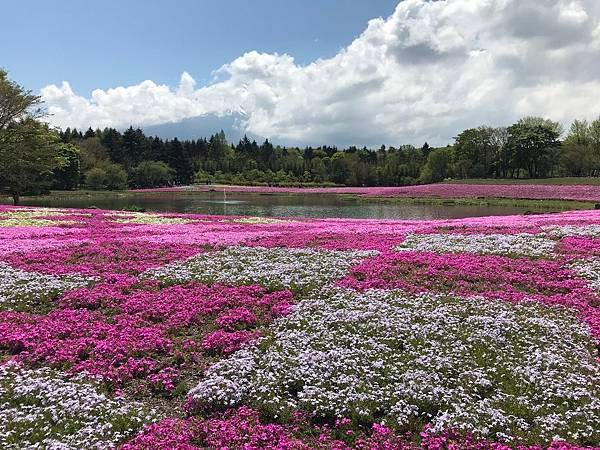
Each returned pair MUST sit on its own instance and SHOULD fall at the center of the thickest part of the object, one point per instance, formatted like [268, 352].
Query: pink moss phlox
[243, 429]
[101, 257]
[170, 434]
[226, 342]
[579, 246]
[84, 342]
[142, 329]
[236, 317]
[332, 241]
[239, 429]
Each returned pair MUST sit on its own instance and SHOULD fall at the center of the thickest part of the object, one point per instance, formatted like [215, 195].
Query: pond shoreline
[439, 195]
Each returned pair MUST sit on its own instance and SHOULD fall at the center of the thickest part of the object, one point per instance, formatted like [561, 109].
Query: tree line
[530, 148]
[35, 157]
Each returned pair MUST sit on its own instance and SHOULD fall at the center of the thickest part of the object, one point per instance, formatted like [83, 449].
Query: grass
[594, 181]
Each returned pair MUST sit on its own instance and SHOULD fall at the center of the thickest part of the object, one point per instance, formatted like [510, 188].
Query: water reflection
[278, 205]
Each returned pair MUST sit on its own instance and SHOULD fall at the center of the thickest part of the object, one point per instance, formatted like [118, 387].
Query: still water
[274, 205]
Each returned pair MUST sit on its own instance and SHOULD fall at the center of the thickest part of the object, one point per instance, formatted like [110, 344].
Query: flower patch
[299, 270]
[42, 408]
[500, 371]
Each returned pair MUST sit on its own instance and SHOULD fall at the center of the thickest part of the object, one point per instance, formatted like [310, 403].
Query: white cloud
[429, 70]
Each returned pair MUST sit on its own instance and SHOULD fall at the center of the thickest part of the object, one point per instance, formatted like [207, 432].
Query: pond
[274, 205]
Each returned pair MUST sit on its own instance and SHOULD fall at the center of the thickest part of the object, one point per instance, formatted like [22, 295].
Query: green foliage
[531, 145]
[528, 149]
[29, 150]
[581, 149]
[29, 153]
[438, 166]
[67, 176]
[16, 103]
[116, 177]
[474, 152]
[107, 176]
[95, 178]
[31, 157]
[91, 154]
[153, 173]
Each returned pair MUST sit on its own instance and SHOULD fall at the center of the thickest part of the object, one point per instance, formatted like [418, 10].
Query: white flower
[489, 367]
[496, 244]
[42, 408]
[273, 268]
[572, 230]
[22, 290]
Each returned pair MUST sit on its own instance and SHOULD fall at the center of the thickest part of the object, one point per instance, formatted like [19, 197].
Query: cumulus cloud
[429, 70]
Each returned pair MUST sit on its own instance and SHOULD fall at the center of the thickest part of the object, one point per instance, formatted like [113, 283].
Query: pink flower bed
[101, 257]
[121, 330]
[243, 429]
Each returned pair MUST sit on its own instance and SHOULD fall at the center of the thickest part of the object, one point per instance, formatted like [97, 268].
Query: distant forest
[530, 148]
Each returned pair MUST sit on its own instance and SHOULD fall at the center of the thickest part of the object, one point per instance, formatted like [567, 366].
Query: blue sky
[337, 72]
[122, 42]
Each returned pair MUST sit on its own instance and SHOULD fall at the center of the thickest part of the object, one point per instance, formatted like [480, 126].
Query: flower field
[169, 331]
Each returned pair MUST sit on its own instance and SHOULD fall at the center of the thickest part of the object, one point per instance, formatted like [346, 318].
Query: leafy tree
[16, 103]
[116, 177]
[473, 152]
[28, 156]
[531, 143]
[580, 156]
[340, 167]
[106, 176]
[95, 178]
[533, 121]
[91, 153]
[477, 152]
[153, 174]
[135, 146]
[438, 166]
[502, 157]
[577, 160]
[89, 133]
[29, 150]
[67, 176]
[180, 161]
[579, 133]
[113, 141]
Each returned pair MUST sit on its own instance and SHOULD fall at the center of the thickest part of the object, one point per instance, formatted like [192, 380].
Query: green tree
[533, 121]
[116, 177]
[438, 166]
[91, 154]
[531, 143]
[106, 175]
[28, 156]
[16, 103]
[29, 150]
[89, 133]
[502, 157]
[577, 159]
[474, 152]
[153, 174]
[67, 176]
[202, 177]
[95, 178]
[340, 168]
